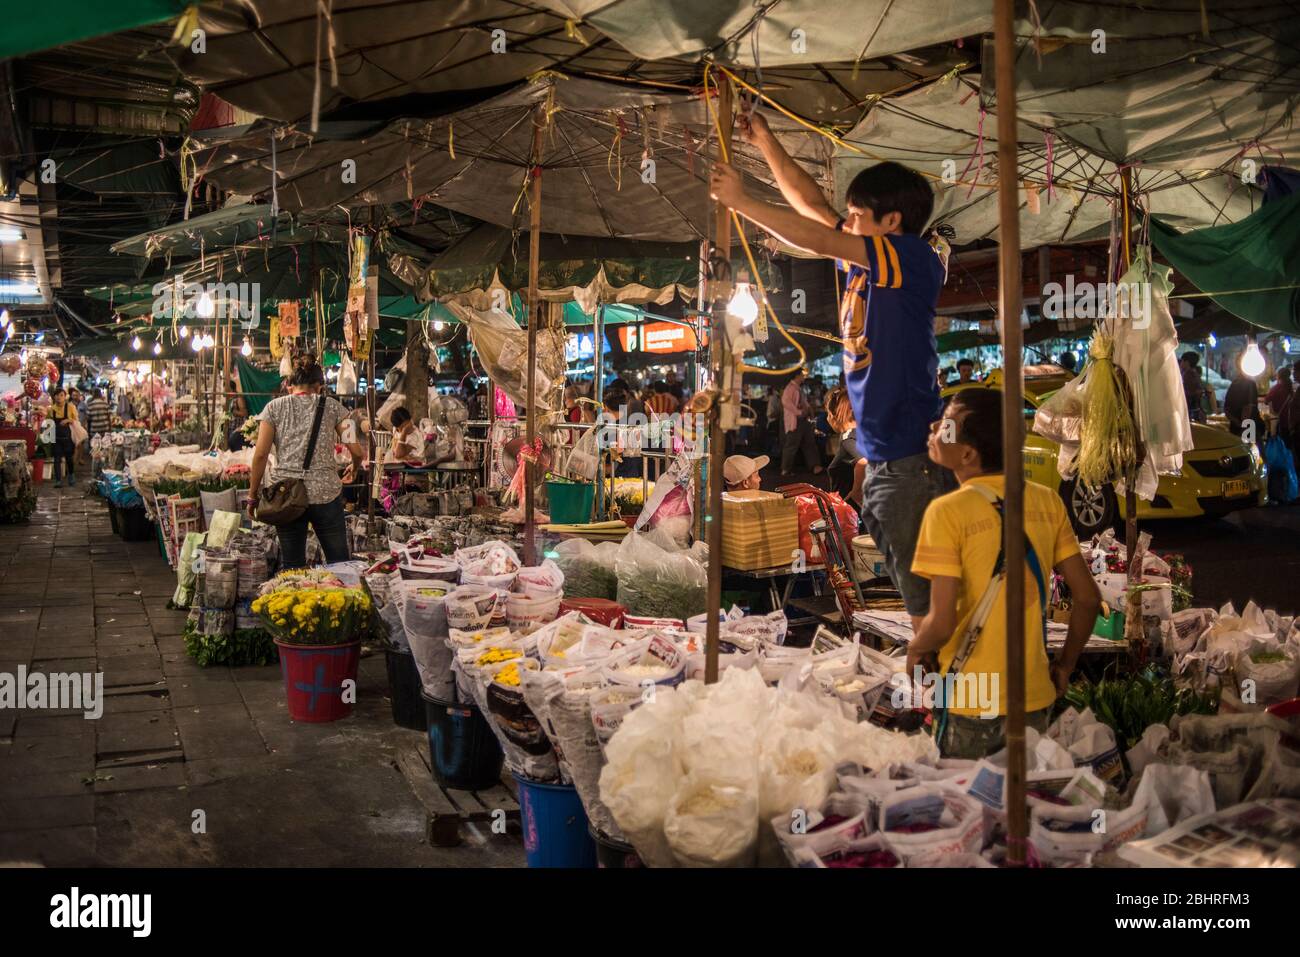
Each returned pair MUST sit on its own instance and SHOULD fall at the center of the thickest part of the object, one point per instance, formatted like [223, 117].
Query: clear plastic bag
[659, 582]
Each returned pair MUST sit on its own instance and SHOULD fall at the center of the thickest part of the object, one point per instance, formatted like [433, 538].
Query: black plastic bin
[612, 853]
[135, 524]
[463, 752]
[404, 690]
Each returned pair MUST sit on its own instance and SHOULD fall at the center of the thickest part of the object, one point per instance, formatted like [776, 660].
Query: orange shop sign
[658, 337]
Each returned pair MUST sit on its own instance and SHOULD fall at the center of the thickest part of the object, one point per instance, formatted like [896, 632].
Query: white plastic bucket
[868, 560]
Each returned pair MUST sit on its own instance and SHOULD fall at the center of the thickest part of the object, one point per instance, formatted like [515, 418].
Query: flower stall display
[317, 623]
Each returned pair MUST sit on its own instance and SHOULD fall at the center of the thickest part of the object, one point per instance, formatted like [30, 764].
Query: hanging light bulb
[196, 343]
[1213, 340]
[157, 348]
[4, 318]
[205, 308]
[742, 305]
[437, 325]
[1286, 344]
[208, 341]
[135, 343]
[116, 362]
[183, 332]
[246, 349]
[1252, 361]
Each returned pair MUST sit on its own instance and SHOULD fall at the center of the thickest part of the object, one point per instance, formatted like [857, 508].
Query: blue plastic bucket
[555, 825]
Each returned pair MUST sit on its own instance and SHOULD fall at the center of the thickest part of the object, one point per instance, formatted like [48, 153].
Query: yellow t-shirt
[960, 538]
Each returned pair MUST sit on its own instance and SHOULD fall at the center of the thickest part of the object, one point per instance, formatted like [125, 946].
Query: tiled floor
[175, 739]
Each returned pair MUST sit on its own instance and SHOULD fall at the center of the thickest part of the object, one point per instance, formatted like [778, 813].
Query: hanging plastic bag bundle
[1107, 436]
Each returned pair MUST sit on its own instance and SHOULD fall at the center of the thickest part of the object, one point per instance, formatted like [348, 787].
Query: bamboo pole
[1013, 422]
[534, 320]
[719, 290]
[1130, 480]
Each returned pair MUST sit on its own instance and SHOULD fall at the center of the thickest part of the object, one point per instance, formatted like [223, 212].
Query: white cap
[737, 468]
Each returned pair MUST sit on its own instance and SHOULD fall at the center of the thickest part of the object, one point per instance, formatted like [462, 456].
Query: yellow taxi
[1221, 474]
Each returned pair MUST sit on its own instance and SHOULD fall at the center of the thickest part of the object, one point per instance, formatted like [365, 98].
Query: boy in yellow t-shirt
[960, 543]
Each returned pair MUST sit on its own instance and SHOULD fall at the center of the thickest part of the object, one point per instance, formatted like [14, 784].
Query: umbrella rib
[586, 178]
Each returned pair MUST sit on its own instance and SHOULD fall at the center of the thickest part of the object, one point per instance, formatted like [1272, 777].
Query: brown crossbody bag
[285, 501]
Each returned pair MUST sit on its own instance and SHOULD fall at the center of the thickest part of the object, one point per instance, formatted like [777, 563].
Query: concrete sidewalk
[175, 739]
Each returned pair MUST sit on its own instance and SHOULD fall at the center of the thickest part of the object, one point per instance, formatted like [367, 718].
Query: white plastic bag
[347, 381]
[712, 825]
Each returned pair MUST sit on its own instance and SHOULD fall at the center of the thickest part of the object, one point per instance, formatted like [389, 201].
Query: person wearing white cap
[740, 472]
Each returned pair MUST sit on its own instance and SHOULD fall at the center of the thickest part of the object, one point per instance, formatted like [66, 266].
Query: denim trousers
[329, 523]
[894, 498]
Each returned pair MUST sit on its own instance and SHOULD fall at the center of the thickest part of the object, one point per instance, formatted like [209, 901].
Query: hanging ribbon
[323, 11]
[977, 151]
[528, 454]
[186, 24]
[451, 139]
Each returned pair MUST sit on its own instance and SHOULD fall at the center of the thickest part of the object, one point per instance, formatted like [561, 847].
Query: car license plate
[1236, 488]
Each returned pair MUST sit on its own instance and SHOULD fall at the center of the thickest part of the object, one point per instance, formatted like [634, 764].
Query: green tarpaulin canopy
[253, 379]
[42, 26]
[1251, 267]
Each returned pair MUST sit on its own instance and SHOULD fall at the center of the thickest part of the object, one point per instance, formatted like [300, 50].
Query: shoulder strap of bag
[973, 629]
[315, 432]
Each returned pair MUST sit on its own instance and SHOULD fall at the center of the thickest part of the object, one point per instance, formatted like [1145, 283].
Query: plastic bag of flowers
[528, 750]
[653, 661]
[842, 817]
[315, 615]
[863, 852]
[931, 819]
[562, 702]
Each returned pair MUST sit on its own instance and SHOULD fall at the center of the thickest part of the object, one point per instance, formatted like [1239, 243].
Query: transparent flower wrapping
[313, 615]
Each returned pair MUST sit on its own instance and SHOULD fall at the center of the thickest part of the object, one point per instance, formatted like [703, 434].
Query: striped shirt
[97, 416]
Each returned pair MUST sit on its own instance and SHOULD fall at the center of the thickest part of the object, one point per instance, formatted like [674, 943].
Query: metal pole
[719, 290]
[370, 437]
[598, 394]
[1130, 480]
[534, 320]
[1013, 421]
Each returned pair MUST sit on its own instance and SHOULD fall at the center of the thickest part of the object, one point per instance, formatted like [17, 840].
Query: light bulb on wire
[246, 349]
[183, 332]
[208, 341]
[743, 305]
[438, 325]
[116, 362]
[157, 348]
[1213, 340]
[1252, 360]
[196, 343]
[135, 344]
[205, 308]
[4, 318]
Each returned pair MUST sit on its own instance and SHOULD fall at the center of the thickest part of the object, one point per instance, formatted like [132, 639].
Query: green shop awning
[42, 26]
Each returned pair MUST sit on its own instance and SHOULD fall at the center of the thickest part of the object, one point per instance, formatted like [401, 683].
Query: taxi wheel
[1091, 511]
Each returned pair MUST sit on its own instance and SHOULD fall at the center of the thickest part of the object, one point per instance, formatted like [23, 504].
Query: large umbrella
[265, 56]
[616, 161]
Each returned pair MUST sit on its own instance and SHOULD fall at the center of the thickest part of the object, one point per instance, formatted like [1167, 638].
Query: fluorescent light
[9, 287]
[11, 234]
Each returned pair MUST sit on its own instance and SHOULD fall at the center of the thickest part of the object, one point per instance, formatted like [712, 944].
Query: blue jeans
[894, 498]
[331, 527]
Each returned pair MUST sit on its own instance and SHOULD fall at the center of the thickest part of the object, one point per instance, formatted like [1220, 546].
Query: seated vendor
[408, 444]
[740, 472]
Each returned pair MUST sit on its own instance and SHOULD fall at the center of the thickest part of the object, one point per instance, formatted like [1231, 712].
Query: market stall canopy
[580, 268]
[616, 161]
[943, 132]
[41, 27]
[1251, 268]
[264, 56]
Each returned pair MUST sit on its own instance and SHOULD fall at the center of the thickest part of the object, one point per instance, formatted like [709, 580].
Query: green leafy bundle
[247, 646]
[1129, 705]
[166, 487]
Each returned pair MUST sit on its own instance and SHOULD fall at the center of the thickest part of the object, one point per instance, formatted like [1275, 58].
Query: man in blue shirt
[891, 364]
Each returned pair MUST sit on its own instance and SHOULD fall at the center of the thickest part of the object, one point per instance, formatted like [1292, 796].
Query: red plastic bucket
[314, 677]
[600, 610]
